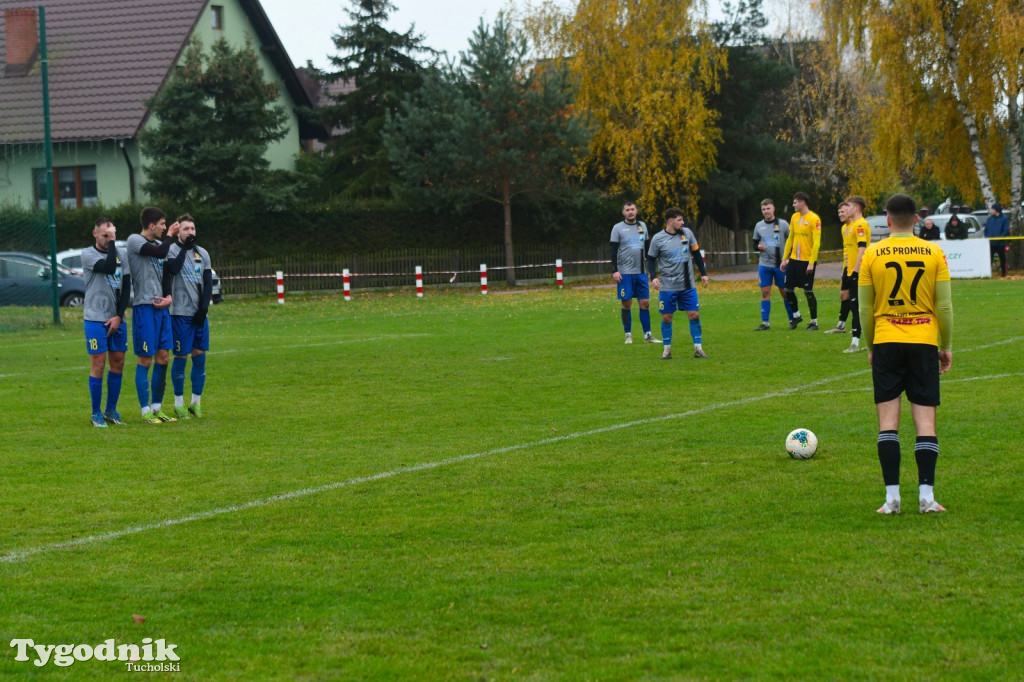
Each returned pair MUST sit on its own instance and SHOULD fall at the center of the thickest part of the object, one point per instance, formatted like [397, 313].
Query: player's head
[768, 209]
[154, 220]
[858, 205]
[674, 218]
[901, 212]
[104, 231]
[186, 227]
[800, 201]
[843, 210]
[629, 211]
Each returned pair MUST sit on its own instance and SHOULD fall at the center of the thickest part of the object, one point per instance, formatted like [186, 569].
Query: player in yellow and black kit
[802, 247]
[907, 310]
[855, 240]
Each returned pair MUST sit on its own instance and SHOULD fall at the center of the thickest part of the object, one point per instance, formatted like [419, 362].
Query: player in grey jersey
[188, 278]
[107, 288]
[673, 253]
[151, 321]
[770, 237]
[628, 241]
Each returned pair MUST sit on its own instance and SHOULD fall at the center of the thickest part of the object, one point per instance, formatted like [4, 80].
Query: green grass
[594, 513]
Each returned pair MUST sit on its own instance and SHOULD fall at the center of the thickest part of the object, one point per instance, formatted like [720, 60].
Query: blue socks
[198, 373]
[178, 375]
[666, 333]
[627, 321]
[766, 309]
[645, 320]
[159, 382]
[95, 392]
[113, 391]
[695, 330]
[142, 385]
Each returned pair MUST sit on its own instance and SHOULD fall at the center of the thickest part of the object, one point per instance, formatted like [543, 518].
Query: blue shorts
[767, 276]
[187, 336]
[151, 330]
[97, 341]
[671, 301]
[633, 286]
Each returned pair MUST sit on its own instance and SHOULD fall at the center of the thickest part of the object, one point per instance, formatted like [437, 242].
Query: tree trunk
[970, 122]
[510, 258]
[1016, 256]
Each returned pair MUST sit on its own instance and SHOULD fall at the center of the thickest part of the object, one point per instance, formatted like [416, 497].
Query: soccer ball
[801, 444]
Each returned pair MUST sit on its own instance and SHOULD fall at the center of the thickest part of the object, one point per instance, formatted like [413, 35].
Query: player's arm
[652, 265]
[698, 258]
[815, 246]
[157, 249]
[125, 295]
[944, 311]
[788, 251]
[866, 305]
[174, 265]
[615, 256]
[107, 266]
[205, 294]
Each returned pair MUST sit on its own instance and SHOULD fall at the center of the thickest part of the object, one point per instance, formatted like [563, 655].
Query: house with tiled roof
[105, 59]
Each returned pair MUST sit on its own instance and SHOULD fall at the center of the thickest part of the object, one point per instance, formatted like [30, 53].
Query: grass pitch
[467, 487]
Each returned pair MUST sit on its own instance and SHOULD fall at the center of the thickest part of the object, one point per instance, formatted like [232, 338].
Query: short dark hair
[802, 196]
[151, 215]
[186, 216]
[859, 200]
[101, 221]
[843, 203]
[673, 212]
[901, 210]
[767, 202]
[628, 202]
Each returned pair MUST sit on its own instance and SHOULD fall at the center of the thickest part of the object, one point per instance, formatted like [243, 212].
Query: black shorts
[909, 367]
[797, 277]
[849, 283]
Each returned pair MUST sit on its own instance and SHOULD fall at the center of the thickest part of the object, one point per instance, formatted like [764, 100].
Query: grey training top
[187, 284]
[101, 290]
[675, 262]
[631, 240]
[147, 272]
[773, 236]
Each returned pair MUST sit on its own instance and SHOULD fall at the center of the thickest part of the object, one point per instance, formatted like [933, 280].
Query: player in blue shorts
[628, 240]
[188, 278]
[672, 254]
[151, 321]
[770, 237]
[107, 288]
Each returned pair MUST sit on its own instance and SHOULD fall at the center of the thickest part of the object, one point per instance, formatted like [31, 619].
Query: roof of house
[105, 59]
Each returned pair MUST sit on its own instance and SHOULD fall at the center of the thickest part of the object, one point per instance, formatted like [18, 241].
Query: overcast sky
[306, 26]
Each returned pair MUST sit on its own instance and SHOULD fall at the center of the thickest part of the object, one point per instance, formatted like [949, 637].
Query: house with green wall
[106, 58]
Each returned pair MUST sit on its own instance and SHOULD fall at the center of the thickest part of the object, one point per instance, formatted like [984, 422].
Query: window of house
[73, 186]
[217, 17]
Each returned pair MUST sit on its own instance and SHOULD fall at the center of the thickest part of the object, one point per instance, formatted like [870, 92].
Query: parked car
[880, 228]
[975, 229]
[25, 280]
[72, 259]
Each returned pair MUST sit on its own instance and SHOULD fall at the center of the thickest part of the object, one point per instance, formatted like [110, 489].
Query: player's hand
[656, 283]
[162, 302]
[617, 276]
[704, 279]
[761, 247]
[945, 361]
[112, 324]
[810, 268]
[783, 264]
[173, 229]
[199, 318]
[189, 241]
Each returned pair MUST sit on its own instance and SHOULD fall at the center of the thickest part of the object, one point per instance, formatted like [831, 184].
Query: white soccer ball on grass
[801, 443]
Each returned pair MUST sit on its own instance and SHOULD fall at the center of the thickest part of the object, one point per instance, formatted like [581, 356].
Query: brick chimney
[22, 36]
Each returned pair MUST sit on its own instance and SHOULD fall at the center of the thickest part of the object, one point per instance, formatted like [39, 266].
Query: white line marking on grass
[19, 555]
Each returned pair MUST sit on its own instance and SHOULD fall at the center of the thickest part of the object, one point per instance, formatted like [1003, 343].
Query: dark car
[25, 280]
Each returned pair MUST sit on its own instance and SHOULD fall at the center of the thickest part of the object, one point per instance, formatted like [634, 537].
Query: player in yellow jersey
[799, 258]
[855, 240]
[907, 309]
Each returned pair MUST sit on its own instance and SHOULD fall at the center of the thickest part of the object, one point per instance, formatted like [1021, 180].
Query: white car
[880, 228]
[72, 260]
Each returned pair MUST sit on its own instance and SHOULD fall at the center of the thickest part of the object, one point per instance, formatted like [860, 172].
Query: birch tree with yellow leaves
[644, 70]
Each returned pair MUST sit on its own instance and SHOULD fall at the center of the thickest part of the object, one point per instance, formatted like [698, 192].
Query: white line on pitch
[19, 555]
